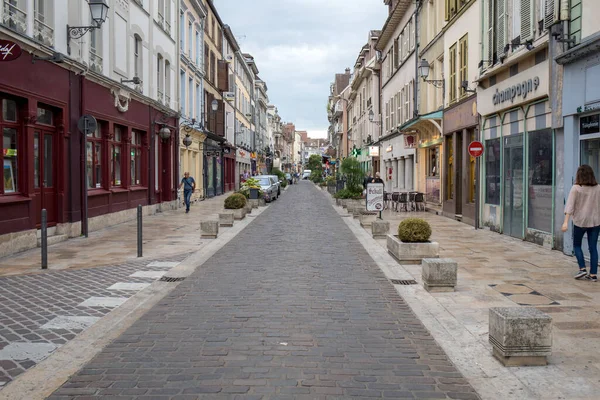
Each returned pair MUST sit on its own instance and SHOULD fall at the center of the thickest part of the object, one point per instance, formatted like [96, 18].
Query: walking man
[189, 185]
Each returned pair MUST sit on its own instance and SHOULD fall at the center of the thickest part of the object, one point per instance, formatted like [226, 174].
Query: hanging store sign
[374, 151]
[589, 124]
[410, 141]
[9, 51]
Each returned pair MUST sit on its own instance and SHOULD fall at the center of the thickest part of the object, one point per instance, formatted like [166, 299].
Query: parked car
[276, 178]
[306, 174]
[288, 176]
[269, 186]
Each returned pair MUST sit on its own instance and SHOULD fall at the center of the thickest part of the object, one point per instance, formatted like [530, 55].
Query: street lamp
[424, 69]
[214, 105]
[372, 118]
[164, 133]
[187, 140]
[98, 11]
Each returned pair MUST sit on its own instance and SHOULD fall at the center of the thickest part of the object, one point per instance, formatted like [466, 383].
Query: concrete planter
[258, 203]
[238, 214]
[248, 207]
[344, 203]
[367, 218]
[226, 219]
[209, 229]
[411, 253]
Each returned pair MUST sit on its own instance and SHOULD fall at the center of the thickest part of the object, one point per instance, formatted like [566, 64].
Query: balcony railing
[42, 32]
[95, 61]
[14, 18]
[167, 100]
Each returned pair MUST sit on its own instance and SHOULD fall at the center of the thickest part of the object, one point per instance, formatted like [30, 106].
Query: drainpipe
[418, 5]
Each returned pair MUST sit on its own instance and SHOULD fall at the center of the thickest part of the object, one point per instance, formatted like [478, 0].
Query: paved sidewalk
[166, 233]
[500, 271]
[292, 308]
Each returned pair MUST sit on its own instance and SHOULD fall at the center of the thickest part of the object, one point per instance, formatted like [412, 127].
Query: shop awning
[433, 115]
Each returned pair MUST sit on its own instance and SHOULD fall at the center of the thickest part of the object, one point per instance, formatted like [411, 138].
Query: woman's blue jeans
[592, 237]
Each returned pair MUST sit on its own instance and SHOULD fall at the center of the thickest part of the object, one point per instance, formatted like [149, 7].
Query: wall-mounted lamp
[424, 69]
[136, 80]
[465, 87]
[372, 118]
[187, 140]
[99, 11]
[164, 133]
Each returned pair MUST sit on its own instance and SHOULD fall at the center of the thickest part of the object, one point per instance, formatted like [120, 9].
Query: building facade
[397, 45]
[514, 101]
[580, 97]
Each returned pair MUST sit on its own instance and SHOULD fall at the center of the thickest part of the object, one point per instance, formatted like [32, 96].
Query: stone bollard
[209, 229]
[439, 274]
[239, 213]
[380, 229]
[520, 336]
[226, 219]
[367, 218]
[248, 207]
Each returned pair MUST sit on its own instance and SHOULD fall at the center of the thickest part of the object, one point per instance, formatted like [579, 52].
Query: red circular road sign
[476, 149]
[9, 50]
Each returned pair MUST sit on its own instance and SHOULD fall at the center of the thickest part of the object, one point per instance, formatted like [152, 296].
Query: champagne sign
[9, 51]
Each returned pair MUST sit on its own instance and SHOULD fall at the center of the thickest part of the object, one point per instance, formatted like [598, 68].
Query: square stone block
[439, 274]
[238, 214]
[257, 203]
[411, 253]
[209, 229]
[226, 219]
[380, 229]
[367, 218]
[248, 207]
[520, 336]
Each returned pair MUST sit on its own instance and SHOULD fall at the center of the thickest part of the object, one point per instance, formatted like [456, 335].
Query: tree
[315, 164]
[354, 174]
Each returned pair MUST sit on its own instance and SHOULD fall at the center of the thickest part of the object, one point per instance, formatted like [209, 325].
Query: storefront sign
[588, 107]
[589, 124]
[519, 90]
[9, 51]
[410, 141]
[374, 196]
[374, 151]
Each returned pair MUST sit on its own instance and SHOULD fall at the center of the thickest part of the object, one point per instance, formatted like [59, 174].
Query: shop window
[450, 169]
[45, 116]
[540, 180]
[136, 158]
[492, 171]
[116, 155]
[9, 147]
[590, 154]
[94, 158]
[433, 161]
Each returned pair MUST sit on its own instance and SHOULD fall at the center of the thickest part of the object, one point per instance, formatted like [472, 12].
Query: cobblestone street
[292, 307]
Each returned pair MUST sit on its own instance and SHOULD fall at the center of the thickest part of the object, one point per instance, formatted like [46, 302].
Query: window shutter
[501, 28]
[411, 105]
[489, 43]
[526, 20]
[387, 116]
[412, 34]
[551, 13]
[223, 76]
[399, 107]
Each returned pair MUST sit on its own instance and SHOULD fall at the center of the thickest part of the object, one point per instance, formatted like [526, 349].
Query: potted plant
[236, 203]
[253, 188]
[412, 243]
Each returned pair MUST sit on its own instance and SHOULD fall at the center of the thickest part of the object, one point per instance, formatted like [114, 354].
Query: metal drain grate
[399, 282]
[167, 279]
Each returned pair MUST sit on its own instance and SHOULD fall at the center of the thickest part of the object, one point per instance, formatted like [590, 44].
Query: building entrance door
[44, 175]
[513, 186]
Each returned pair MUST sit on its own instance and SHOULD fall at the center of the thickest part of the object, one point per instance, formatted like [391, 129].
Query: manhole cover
[167, 279]
[403, 282]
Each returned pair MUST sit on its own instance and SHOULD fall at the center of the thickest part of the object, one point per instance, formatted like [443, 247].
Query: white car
[306, 174]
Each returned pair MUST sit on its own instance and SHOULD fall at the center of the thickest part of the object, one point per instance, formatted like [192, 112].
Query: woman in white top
[583, 205]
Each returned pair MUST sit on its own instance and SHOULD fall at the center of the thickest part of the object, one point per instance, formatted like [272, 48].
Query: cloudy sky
[299, 45]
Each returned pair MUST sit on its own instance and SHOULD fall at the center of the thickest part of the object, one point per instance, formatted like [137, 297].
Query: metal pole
[477, 194]
[84, 222]
[139, 230]
[44, 239]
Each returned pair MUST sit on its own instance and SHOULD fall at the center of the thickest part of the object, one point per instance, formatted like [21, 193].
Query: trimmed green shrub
[414, 230]
[280, 175]
[235, 201]
[347, 194]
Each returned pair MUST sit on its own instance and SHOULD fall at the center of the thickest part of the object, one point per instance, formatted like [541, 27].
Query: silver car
[278, 183]
[268, 185]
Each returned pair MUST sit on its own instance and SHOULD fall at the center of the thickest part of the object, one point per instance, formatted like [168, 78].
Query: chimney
[347, 71]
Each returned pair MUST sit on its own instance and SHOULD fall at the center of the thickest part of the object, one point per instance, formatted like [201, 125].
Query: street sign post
[86, 124]
[476, 150]
[375, 197]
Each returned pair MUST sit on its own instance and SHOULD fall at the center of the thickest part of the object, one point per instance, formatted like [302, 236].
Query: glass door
[44, 175]
[513, 186]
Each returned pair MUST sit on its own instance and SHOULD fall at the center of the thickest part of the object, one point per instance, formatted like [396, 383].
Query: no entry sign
[476, 149]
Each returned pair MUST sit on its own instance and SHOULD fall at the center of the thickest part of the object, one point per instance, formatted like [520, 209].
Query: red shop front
[35, 141]
[130, 161]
